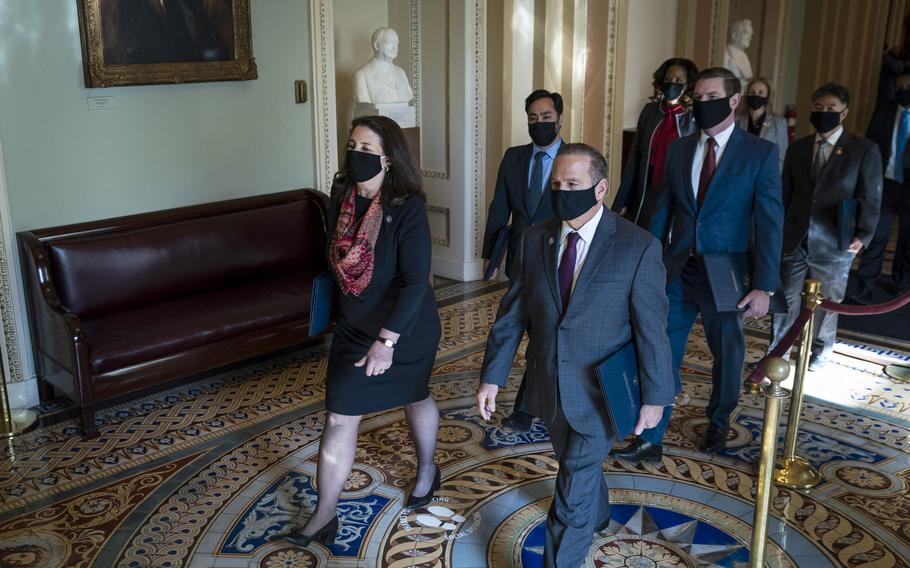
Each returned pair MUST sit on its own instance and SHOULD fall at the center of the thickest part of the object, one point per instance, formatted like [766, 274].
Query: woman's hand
[377, 360]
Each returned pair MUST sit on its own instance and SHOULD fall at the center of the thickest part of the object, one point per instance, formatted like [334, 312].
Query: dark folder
[618, 378]
[499, 249]
[846, 223]
[323, 300]
[729, 276]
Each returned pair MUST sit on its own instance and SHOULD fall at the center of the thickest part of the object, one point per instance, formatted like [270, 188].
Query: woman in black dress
[388, 326]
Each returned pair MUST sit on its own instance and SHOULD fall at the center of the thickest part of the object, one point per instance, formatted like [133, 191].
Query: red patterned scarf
[664, 134]
[351, 252]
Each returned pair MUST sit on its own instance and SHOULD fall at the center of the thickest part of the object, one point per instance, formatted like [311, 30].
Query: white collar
[832, 138]
[586, 232]
[721, 137]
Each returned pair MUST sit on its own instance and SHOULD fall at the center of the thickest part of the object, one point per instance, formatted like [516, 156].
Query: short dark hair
[835, 89]
[661, 72]
[597, 164]
[544, 94]
[732, 84]
[403, 178]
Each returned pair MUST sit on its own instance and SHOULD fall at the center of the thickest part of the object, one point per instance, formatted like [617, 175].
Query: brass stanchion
[14, 422]
[793, 471]
[777, 369]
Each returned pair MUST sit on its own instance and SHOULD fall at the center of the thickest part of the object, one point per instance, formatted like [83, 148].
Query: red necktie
[567, 269]
[707, 170]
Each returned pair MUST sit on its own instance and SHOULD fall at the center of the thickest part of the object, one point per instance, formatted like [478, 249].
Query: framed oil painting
[144, 42]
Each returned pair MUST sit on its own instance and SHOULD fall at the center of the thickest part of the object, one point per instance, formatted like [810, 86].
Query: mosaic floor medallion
[646, 531]
[215, 473]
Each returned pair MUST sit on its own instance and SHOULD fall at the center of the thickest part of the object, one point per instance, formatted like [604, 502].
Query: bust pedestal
[402, 113]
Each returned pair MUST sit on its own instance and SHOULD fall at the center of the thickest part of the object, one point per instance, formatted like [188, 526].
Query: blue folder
[499, 248]
[846, 223]
[619, 383]
[323, 300]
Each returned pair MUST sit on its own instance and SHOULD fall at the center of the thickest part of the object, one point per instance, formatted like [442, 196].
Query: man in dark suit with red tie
[723, 205]
[523, 195]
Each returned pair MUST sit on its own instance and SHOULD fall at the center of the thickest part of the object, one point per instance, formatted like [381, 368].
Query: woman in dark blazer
[667, 117]
[388, 327]
[757, 118]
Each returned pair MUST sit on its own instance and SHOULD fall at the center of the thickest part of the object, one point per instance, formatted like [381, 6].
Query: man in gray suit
[600, 285]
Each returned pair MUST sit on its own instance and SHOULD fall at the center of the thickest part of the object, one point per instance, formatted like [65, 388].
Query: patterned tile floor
[212, 473]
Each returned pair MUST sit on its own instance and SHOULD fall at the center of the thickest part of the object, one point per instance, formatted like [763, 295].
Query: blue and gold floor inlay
[214, 473]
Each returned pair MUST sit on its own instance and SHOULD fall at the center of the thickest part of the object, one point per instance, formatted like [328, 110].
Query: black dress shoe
[715, 439]
[518, 420]
[414, 502]
[639, 450]
[324, 536]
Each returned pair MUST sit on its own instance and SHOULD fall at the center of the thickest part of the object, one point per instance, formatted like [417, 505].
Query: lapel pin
[388, 218]
[551, 241]
[839, 151]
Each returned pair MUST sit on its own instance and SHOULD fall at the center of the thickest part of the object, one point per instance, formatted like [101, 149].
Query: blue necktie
[903, 130]
[536, 185]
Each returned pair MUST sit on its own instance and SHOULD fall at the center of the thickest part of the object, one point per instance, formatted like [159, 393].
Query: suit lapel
[550, 247]
[597, 251]
[689, 145]
[524, 162]
[834, 158]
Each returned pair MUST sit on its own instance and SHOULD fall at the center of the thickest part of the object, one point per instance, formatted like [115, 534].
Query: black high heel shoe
[324, 536]
[414, 502]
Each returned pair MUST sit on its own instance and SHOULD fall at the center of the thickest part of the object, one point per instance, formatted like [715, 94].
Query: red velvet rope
[875, 309]
[788, 340]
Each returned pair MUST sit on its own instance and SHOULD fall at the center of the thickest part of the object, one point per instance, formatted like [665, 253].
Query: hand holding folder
[621, 388]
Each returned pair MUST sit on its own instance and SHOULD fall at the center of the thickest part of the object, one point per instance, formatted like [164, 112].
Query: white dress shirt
[586, 234]
[892, 160]
[832, 140]
[721, 138]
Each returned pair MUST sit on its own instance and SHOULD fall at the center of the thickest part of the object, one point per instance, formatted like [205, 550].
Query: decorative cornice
[480, 121]
[10, 348]
[445, 241]
[416, 61]
[324, 87]
[610, 78]
[712, 39]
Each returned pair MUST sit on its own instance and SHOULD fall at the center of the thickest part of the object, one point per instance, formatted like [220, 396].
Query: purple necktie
[567, 269]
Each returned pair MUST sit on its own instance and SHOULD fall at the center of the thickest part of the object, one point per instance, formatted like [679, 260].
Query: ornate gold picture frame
[146, 42]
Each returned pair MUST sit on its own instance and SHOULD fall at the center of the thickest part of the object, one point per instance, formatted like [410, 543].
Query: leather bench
[119, 305]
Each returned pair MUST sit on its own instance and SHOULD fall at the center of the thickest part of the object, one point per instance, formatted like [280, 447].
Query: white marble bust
[380, 81]
[735, 57]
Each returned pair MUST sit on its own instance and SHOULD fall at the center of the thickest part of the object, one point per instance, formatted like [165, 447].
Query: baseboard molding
[458, 270]
[23, 394]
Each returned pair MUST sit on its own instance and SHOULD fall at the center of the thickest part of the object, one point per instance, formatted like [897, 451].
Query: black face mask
[709, 114]
[902, 97]
[824, 121]
[542, 133]
[755, 102]
[671, 91]
[568, 205]
[363, 166]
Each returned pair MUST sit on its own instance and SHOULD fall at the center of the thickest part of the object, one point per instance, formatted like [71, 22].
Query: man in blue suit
[723, 204]
[522, 195]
